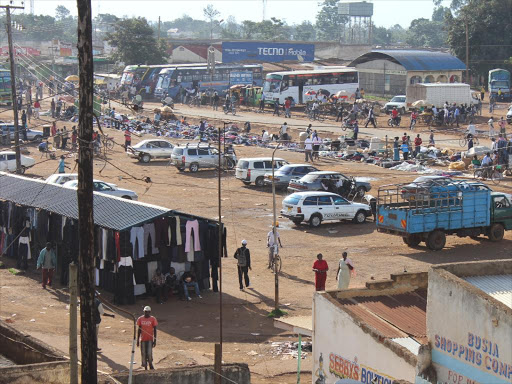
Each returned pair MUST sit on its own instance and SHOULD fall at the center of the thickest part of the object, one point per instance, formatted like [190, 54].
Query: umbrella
[419, 103]
[237, 86]
[342, 94]
[72, 78]
[324, 92]
[310, 93]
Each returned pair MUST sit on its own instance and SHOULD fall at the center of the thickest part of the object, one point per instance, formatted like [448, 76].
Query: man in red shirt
[394, 115]
[147, 335]
[127, 139]
[320, 268]
[417, 144]
[287, 107]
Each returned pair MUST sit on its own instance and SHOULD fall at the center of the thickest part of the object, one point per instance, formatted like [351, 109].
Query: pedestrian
[345, 270]
[482, 93]
[272, 245]
[405, 150]
[316, 145]
[287, 107]
[431, 140]
[98, 312]
[127, 139]
[396, 150]
[283, 132]
[147, 335]
[456, 114]
[52, 108]
[158, 286]
[262, 102]
[308, 148]
[54, 129]
[188, 279]
[339, 115]
[417, 145]
[320, 268]
[56, 139]
[47, 260]
[37, 106]
[276, 108]
[356, 130]
[243, 256]
[490, 123]
[65, 137]
[62, 164]
[371, 118]
[502, 124]
[216, 101]
[29, 112]
[24, 125]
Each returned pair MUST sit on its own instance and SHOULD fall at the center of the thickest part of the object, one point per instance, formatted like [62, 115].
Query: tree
[489, 25]
[231, 30]
[210, 13]
[135, 42]
[61, 12]
[329, 23]
[249, 29]
[305, 31]
[426, 33]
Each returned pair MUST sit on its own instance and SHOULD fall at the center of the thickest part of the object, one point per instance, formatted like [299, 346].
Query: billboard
[359, 9]
[267, 51]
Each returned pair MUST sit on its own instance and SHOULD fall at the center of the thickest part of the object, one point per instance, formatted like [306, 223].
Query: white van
[252, 170]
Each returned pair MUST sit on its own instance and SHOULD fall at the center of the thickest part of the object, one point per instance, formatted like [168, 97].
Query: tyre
[412, 240]
[22, 170]
[181, 169]
[436, 240]
[496, 177]
[230, 164]
[259, 182]
[496, 232]
[246, 182]
[145, 158]
[297, 222]
[390, 122]
[361, 191]
[315, 220]
[462, 142]
[478, 173]
[194, 167]
[109, 144]
[38, 139]
[360, 217]
[402, 111]
[126, 197]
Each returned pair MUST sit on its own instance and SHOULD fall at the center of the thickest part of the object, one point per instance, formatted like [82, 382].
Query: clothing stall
[132, 239]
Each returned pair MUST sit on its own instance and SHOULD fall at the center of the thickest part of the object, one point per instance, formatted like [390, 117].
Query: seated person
[188, 279]
[158, 286]
[476, 162]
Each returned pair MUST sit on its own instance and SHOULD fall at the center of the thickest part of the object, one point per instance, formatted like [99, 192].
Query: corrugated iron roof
[496, 286]
[63, 201]
[414, 60]
[393, 316]
[411, 344]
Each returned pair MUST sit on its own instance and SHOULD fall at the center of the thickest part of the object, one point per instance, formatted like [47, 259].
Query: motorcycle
[229, 109]
[394, 122]
[168, 102]
[348, 123]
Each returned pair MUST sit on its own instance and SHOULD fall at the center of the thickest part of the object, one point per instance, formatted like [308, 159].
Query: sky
[386, 12]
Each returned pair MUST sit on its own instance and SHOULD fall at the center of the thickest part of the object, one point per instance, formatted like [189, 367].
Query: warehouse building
[388, 72]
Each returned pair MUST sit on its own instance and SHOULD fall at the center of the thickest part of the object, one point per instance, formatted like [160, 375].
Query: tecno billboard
[264, 51]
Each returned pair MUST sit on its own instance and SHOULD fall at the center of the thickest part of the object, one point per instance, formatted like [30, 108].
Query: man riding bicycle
[272, 244]
[487, 165]
[394, 115]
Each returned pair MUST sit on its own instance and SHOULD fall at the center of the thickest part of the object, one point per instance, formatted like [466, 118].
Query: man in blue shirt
[47, 260]
[405, 150]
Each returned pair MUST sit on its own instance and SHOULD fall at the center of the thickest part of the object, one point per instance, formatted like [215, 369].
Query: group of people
[405, 146]
[345, 271]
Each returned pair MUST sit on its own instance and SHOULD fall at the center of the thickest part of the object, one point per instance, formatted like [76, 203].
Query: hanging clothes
[162, 232]
[192, 226]
[150, 234]
[137, 240]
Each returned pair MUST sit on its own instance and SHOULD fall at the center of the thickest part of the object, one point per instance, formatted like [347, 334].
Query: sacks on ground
[457, 166]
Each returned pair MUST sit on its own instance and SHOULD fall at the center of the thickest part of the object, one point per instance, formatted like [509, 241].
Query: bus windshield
[272, 83]
[499, 83]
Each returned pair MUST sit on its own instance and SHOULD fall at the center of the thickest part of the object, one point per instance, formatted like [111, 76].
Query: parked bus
[499, 80]
[5, 87]
[197, 76]
[281, 85]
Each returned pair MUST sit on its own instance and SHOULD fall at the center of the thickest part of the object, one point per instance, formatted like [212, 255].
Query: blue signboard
[267, 51]
[242, 77]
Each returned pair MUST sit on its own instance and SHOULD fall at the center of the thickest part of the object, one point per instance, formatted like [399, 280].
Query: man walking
[99, 311]
[308, 149]
[127, 139]
[272, 244]
[287, 107]
[147, 336]
[262, 102]
[320, 268]
[243, 257]
[47, 260]
[371, 118]
[417, 145]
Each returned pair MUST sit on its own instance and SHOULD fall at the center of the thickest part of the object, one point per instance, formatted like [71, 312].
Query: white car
[509, 115]
[398, 102]
[315, 207]
[253, 170]
[61, 178]
[8, 161]
[154, 149]
[107, 188]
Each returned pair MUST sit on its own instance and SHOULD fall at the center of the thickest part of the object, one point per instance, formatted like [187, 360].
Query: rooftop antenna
[31, 7]
[264, 9]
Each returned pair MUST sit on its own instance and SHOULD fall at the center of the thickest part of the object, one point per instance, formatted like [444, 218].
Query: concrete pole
[73, 349]
[274, 230]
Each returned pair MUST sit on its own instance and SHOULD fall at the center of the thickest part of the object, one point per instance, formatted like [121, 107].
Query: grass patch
[14, 271]
[2, 265]
[277, 313]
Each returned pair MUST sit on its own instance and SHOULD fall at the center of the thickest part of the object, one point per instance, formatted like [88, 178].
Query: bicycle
[107, 142]
[276, 264]
[463, 141]
[316, 116]
[485, 173]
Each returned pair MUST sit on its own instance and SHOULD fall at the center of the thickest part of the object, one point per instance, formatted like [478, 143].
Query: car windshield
[177, 151]
[292, 199]
[309, 178]
[285, 169]
[398, 99]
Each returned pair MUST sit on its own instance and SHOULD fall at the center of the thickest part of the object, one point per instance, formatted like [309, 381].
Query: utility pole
[73, 349]
[13, 85]
[275, 252]
[159, 23]
[85, 194]
[467, 50]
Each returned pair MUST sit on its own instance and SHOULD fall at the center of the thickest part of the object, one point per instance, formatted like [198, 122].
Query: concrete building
[388, 72]
[450, 325]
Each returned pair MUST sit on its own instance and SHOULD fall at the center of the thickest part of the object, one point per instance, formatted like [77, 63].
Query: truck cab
[501, 214]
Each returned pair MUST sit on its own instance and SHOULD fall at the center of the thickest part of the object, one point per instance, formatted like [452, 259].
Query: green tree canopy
[329, 23]
[61, 12]
[305, 31]
[135, 42]
[426, 33]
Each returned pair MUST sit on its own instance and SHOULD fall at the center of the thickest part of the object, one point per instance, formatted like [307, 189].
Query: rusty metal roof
[393, 316]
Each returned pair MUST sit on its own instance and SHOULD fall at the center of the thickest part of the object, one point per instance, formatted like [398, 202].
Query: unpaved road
[189, 330]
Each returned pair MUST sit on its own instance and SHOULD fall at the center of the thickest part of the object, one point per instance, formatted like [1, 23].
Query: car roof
[325, 173]
[64, 174]
[315, 193]
[260, 159]
[299, 165]
[7, 153]
[433, 177]
[150, 140]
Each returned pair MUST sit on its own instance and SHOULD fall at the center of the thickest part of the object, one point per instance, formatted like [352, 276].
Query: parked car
[509, 115]
[398, 102]
[148, 150]
[32, 134]
[313, 182]
[283, 175]
[253, 170]
[423, 184]
[61, 178]
[315, 207]
[198, 156]
[107, 188]
[8, 162]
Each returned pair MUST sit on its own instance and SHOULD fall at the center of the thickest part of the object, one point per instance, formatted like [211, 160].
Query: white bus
[280, 85]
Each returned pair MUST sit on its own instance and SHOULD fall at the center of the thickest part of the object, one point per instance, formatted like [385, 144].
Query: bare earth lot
[188, 330]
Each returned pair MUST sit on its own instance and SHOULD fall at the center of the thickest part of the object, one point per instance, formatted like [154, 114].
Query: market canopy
[110, 212]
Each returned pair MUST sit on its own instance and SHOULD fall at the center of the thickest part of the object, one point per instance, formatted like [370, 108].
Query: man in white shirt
[264, 137]
[284, 128]
[272, 244]
[308, 148]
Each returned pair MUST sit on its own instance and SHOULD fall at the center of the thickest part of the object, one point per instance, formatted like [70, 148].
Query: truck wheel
[496, 232]
[412, 240]
[315, 220]
[436, 240]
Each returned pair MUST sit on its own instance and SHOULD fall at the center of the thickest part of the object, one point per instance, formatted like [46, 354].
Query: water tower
[359, 15]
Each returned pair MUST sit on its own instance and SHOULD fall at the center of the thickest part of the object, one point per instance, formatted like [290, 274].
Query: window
[2, 157]
[310, 201]
[258, 165]
[203, 152]
[324, 200]
[11, 157]
[299, 171]
[177, 151]
[501, 202]
[268, 165]
[164, 144]
[340, 201]
[101, 187]
[292, 199]
[243, 164]
[153, 144]
[192, 152]
[387, 82]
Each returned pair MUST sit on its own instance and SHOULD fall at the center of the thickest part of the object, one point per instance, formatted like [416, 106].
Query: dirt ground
[188, 330]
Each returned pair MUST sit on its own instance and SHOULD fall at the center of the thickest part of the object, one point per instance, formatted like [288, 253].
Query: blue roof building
[388, 72]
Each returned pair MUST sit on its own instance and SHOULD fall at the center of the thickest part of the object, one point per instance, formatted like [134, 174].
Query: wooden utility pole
[73, 349]
[159, 23]
[85, 193]
[467, 51]
[13, 86]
